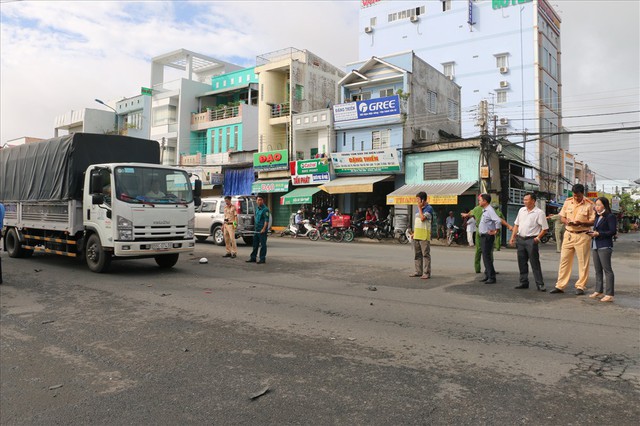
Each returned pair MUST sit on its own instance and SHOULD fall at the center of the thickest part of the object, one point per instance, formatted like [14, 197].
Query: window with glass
[163, 115]
[502, 60]
[452, 110]
[144, 185]
[386, 92]
[501, 96]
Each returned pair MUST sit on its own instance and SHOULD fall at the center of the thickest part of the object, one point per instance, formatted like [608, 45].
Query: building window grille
[452, 110]
[386, 92]
[501, 96]
[440, 170]
[432, 102]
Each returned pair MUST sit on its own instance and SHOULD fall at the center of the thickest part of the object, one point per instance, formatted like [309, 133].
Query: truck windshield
[147, 185]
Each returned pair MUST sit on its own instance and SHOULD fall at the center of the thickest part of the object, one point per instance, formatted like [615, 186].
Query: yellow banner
[432, 199]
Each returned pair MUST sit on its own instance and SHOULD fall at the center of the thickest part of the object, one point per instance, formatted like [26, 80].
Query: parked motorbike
[294, 231]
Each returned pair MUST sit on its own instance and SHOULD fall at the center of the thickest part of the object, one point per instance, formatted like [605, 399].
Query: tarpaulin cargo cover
[52, 170]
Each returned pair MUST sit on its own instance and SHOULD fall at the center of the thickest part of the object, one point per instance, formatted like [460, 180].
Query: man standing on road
[230, 223]
[488, 228]
[578, 215]
[477, 212]
[558, 230]
[260, 236]
[529, 227]
[422, 237]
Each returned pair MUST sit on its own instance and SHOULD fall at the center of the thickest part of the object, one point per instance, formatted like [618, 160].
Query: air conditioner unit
[504, 70]
[504, 84]
[504, 121]
[414, 18]
[368, 30]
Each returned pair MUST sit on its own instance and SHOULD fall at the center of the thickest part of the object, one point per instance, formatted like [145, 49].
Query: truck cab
[137, 210]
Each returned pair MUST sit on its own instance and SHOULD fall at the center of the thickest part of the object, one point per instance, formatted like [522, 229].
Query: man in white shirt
[529, 227]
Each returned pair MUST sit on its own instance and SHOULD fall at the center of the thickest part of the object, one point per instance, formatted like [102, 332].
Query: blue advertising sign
[371, 108]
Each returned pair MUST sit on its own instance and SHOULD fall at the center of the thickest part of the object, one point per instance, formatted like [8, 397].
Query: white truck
[96, 197]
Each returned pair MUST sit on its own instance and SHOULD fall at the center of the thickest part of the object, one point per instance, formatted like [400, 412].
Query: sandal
[607, 299]
[415, 275]
[595, 295]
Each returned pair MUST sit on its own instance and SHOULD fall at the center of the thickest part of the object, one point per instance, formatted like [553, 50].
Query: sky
[58, 56]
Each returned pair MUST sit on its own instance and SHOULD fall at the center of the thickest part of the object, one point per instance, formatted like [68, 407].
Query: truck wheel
[201, 238]
[166, 261]
[218, 235]
[12, 244]
[248, 240]
[98, 260]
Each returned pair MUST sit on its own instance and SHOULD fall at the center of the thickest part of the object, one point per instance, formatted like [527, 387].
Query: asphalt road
[335, 333]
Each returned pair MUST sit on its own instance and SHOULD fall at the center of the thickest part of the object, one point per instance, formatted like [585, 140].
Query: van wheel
[218, 235]
[12, 244]
[166, 261]
[98, 260]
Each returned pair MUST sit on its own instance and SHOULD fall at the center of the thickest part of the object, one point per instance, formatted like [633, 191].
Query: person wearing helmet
[298, 219]
[329, 216]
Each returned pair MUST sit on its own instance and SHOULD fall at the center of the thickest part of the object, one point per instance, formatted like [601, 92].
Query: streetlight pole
[115, 127]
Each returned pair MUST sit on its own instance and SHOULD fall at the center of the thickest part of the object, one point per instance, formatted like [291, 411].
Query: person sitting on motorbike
[317, 216]
[330, 215]
[298, 220]
[369, 216]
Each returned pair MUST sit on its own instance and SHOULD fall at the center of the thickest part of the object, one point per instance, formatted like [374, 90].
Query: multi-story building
[291, 81]
[388, 104]
[505, 52]
[86, 120]
[133, 115]
[174, 100]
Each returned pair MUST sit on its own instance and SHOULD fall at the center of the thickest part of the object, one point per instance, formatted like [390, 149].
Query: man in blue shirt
[329, 216]
[1, 226]
[260, 228]
[488, 228]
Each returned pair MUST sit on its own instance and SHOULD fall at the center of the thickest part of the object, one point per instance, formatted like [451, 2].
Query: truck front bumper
[152, 248]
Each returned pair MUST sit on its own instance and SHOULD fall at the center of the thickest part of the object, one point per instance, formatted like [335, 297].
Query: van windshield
[144, 185]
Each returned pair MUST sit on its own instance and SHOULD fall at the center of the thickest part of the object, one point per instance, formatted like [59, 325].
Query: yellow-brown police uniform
[230, 219]
[576, 241]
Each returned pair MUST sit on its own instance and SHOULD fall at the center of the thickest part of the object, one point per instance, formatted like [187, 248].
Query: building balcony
[218, 117]
[280, 110]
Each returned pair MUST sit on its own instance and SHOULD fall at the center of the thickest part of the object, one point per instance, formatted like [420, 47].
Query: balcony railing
[280, 110]
[215, 115]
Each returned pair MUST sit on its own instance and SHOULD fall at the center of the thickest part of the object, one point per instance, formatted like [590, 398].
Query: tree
[628, 205]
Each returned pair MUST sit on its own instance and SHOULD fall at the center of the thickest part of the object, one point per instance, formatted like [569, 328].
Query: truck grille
[165, 232]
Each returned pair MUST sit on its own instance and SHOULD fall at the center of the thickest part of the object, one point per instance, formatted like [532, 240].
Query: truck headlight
[125, 229]
[190, 225]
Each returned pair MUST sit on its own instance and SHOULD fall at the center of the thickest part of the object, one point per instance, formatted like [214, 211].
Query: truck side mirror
[197, 188]
[197, 201]
[97, 198]
[96, 183]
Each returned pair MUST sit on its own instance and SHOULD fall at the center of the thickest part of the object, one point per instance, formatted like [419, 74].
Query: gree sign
[370, 108]
[499, 4]
[271, 160]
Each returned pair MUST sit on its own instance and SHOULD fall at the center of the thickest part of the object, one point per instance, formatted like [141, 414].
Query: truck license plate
[160, 246]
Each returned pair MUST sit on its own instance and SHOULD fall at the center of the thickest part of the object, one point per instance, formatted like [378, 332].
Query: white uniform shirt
[531, 223]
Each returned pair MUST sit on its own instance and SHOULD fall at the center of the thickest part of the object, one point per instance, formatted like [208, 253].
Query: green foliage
[628, 205]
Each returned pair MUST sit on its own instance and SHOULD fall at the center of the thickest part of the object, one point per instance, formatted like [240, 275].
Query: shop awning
[268, 186]
[348, 185]
[438, 193]
[299, 196]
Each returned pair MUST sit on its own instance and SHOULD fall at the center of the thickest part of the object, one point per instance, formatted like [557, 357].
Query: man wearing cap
[578, 215]
[529, 227]
[229, 227]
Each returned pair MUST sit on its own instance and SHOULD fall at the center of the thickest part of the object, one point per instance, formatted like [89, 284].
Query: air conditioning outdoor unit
[414, 18]
[504, 121]
[504, 84]
[368, 30]
[504, 70]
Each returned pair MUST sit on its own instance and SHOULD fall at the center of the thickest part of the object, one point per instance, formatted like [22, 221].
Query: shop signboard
[271, 160]
[384, 160]
[431, 199]
[370, 108]
[262, 187]
[310, 172]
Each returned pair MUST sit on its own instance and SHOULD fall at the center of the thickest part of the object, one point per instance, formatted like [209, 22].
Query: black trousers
[486, 246]
[528, 253]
